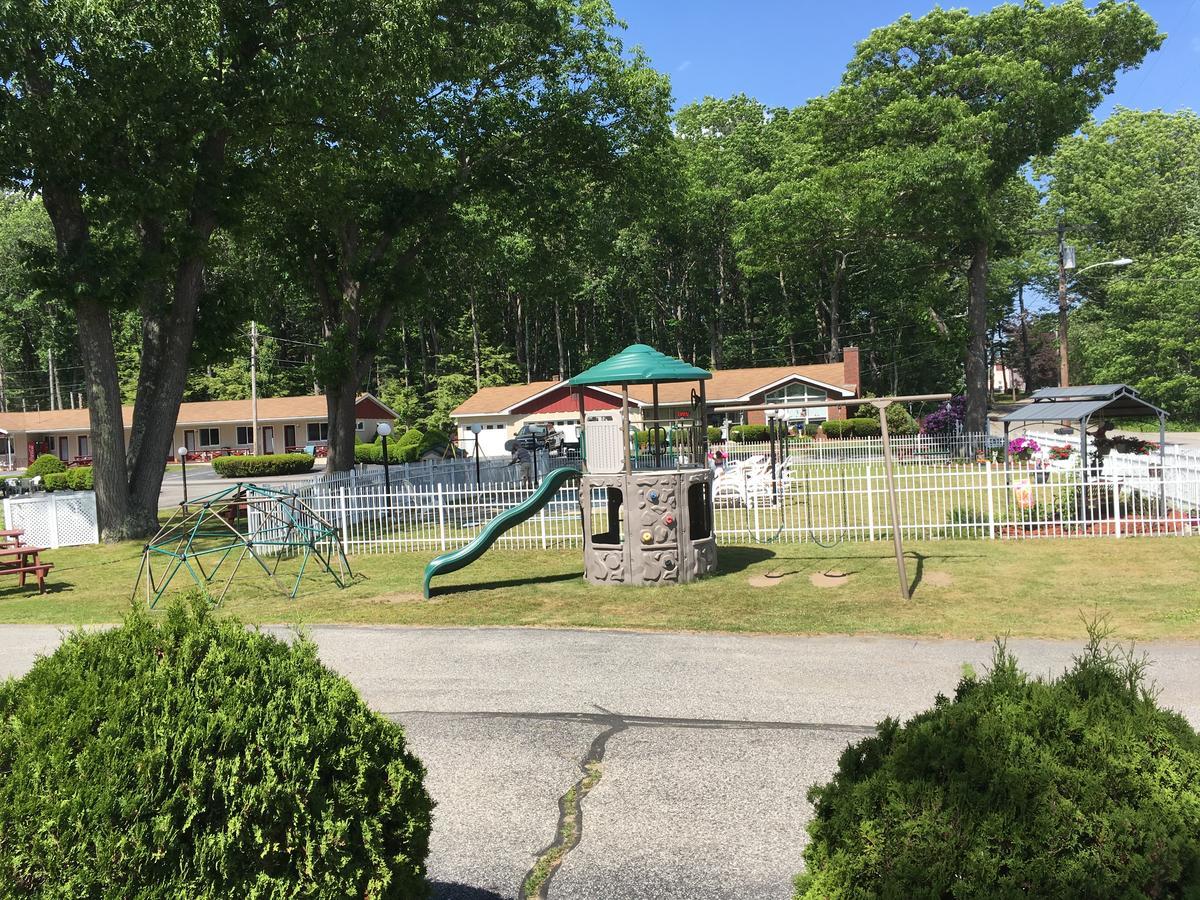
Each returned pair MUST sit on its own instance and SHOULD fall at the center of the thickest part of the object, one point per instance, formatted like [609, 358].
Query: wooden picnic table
[11, 538]
[23, 561]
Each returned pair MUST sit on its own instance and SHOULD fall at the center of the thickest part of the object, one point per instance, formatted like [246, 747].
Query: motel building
[207, 429]
[501, 411]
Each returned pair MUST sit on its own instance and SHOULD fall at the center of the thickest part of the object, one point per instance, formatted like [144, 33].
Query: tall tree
[141, 127]
[948, 108]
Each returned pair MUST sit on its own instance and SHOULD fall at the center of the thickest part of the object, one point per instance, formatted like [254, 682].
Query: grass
[970, 589]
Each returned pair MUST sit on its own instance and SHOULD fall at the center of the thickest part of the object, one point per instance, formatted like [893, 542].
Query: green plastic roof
[639, 364]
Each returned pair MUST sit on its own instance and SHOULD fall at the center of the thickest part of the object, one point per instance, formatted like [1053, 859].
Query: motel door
[268, 440]
[289, 437]
[189, 441]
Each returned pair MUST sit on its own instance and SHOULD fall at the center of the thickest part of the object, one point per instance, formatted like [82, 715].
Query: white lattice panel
[61, 519]
[602, 443]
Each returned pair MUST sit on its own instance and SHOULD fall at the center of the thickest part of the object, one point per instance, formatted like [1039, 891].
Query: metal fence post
[1116, 502]
[342, 518]
[542, 524]
[991, 504]
[441, 505]
[870, 508]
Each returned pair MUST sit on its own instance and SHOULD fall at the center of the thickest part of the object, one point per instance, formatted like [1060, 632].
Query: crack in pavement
[631, 721]
[536, 883]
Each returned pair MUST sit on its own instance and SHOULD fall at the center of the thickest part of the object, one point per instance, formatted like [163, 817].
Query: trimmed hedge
[46, 464]
[836, 428]
[748, 434]
[811, 429]
[1079, 786]
[197, 758]
[259, 466]
[861, 427]
[77, 479]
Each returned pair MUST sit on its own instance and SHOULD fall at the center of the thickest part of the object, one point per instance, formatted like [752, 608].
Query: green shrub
[197, 758]
[1078, 786]
[748, 434]
[434, 440]
[900, 420]
[80, 479]
[46, 464]
[714, 434]
[259, 466]
[645, 436]
[56, 481]
[862, 428]
[836, 428]
[811, 429]
[372, 454]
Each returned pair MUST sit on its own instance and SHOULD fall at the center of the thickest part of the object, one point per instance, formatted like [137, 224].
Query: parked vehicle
[535, 436]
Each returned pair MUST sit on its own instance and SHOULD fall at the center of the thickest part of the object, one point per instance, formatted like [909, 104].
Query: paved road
[709, 742]
[202, 480]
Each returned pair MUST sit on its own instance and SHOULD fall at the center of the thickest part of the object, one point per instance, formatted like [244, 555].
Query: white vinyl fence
[53, 520]
[822, 503]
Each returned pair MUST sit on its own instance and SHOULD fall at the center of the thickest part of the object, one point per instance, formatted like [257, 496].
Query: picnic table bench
[22, 560]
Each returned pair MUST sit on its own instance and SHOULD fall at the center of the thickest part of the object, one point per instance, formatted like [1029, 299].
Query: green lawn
[973, 589]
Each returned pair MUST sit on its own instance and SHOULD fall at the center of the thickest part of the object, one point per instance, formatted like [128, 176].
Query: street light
[384, 429]
[1066, 260]
[183, 452]
[475, 429]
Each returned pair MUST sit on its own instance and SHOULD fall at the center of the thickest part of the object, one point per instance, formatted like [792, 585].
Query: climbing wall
[652, 542]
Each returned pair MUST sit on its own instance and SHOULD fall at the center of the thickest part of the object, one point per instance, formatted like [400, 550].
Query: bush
[46, 464]
[77, 479]
[372, 454]
[259, 466]
[900, 420]
[714, 434]
[200, 759]
[836, 428]
[860, 427]
[812, 429]
[435, 440]
[56, 481]
[949, 418]
[748, 434]
[1075, 786]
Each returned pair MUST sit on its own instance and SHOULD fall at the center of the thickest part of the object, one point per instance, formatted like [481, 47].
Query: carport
[1082, 404]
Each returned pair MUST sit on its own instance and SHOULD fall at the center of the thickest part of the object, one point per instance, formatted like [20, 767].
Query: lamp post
[183, 452]
[1066, 260]
[475, 429]
[384, 429]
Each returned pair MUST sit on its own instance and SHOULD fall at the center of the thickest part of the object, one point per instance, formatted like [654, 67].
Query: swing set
[776, 435]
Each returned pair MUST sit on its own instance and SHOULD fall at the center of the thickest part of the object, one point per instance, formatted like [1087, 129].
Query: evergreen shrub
[196, 758]
[836, 428]
[46, 464]
[862, 428]
[259, 466]
[1076, 786]
[748, 434]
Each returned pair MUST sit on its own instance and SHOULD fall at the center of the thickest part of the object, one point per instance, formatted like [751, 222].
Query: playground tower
[646, 495]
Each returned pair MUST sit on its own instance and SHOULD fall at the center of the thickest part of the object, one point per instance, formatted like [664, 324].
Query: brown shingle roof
[725, 386]
[207, 412]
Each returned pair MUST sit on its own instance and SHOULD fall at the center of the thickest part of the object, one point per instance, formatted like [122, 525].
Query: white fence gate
[60, 519]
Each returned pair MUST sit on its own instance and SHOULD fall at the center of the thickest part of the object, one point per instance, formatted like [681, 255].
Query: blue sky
[783, 52]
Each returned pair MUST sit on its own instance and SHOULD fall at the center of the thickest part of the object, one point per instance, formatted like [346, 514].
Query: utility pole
[1026, 362]
[1064, 364]
[50, 374]
[254, 388]
[3, 393]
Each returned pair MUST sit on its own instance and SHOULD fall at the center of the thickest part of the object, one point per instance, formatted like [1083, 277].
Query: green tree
[944, 111]
[1134, 179]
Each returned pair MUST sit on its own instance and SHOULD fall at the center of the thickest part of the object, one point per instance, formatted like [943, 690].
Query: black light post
[384, 429]
[475, 429]
[183, 452]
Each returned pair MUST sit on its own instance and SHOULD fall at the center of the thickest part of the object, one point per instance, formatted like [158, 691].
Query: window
[245, 434]
[210, 437]
[360, 425]
[799, 393]
[318, 431]
[84, 446]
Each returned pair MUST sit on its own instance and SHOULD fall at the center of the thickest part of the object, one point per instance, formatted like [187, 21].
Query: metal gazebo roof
[639, 364]
[1080, 403]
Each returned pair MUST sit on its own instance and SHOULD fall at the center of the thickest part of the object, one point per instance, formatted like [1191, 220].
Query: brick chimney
[850, 375]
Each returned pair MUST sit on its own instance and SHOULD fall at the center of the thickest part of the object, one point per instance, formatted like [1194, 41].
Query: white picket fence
[825, 504]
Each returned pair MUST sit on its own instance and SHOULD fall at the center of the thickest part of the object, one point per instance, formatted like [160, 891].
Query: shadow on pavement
[452, 890]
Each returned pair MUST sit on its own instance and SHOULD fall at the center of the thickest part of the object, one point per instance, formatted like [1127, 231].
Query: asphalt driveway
[707, 744]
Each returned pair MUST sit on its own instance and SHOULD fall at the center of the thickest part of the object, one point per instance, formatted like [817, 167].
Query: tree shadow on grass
[453, 890]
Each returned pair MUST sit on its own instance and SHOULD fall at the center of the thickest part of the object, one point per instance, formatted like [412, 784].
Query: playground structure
[646, 512]
[278, 524]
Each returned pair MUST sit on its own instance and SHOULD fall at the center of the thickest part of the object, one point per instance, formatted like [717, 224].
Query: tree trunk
[558, 336]
[835, 311]
[977, 324]
[475, 343]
